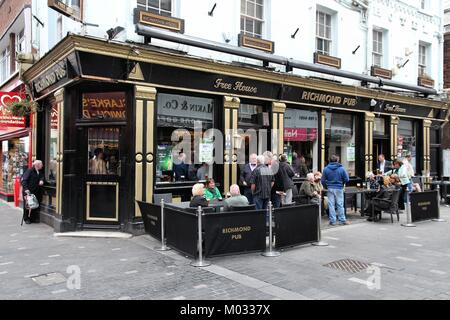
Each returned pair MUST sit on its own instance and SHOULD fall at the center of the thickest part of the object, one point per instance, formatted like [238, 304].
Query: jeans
[405, 187]
[260, 204]
[276, 200]
[336, 200]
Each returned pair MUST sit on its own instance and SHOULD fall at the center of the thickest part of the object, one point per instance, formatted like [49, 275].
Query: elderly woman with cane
[32, 183]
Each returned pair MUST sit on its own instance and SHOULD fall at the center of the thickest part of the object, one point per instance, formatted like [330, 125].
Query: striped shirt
[262, 178]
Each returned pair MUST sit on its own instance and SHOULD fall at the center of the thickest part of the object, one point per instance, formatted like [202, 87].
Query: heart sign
[6, 120]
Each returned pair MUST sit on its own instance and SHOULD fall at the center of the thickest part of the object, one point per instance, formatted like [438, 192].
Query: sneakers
[346, 223]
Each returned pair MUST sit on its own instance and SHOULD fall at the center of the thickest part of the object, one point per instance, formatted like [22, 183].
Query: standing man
[334, 178]
[261, 182]
[32, 183]
[246, 173]
[383, 165]
[283, 178]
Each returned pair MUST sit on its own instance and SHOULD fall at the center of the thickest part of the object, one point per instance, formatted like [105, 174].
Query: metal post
[319, 242]
[163, 237]
[270, 252]
[439, 219]
[408, 212]
[200, 262]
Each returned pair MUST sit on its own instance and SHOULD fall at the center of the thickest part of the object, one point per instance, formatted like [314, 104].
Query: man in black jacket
[32, 182]
[283, 179]
[246, 173]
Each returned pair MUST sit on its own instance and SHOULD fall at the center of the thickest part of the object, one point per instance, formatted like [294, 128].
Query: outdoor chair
[205, 210]
[387, 205]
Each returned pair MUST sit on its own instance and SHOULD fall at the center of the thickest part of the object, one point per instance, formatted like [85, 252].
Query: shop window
[162, 7]
[407, 132]
[340, 139]
[14, 162]
[182, 151]
[301, 141]
[103, 151]
[104, 105]
[52, 145]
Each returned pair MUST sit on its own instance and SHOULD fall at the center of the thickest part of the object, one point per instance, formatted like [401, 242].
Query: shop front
[119, 127]
[15, 138]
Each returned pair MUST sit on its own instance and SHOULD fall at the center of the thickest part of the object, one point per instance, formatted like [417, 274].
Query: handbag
[32, 202]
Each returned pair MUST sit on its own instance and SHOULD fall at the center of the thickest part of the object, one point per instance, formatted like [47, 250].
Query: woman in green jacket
[211, 191]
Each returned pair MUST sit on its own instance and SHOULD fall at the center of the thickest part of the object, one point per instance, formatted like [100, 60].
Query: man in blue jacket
[334, 179]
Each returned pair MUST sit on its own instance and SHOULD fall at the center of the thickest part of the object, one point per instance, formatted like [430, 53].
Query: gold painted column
[231, 109]
[394, 136]
[426, 150]
[59, 96]
[369, 123]
[278, 111]
[144, 121]
[323, 122]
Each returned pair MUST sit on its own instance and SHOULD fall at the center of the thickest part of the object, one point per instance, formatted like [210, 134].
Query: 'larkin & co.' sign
[57, 73]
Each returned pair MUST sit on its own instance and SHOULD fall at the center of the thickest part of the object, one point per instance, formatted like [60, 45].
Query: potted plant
[21, 108]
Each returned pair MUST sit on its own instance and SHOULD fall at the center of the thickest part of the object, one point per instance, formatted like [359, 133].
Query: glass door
[103, 174]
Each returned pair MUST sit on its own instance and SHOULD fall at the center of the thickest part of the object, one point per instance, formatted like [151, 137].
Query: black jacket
[199, 201]
[283, 178]
[30, 180]
[387, 166]
[246, 173]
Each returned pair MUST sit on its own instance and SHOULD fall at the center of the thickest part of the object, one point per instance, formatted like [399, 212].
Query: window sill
[9, 78]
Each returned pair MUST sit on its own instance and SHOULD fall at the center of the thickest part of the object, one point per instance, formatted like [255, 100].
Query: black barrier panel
[296, 225]
[424, 205]
[181, 231]
[234, 232]
[151, 215]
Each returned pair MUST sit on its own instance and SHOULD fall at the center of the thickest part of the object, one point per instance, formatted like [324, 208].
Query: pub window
[423, 59]
[52, 145]
[323, 33]
[301, 141]
[377, 48]
[103, 151]
[406, 144]
[183, 153]
[340, 139]
[162, 7]
[252, 17]
[5, 64]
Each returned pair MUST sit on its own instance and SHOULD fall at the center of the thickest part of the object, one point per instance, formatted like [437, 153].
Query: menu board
[206, 152]
[164, 161]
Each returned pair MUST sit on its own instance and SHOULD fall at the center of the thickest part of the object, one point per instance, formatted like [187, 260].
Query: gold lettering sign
[156, 20]
[327, 60]
[238, 86]
[105, 105]
[394, 108]
[329, 99]
[256, 43]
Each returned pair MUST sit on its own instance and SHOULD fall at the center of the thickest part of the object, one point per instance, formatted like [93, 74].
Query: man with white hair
[246, 173]
[32, 183]
[236, 200]
[261, 181]
[308, 189]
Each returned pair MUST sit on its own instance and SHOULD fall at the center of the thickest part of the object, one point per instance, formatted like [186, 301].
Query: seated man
[383, 200]
[198, 200]
[236, 199]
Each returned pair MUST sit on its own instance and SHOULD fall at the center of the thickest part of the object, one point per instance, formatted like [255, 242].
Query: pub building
[111, 109]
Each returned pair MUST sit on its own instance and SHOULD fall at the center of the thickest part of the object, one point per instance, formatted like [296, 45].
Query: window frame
[423, 59]
[158, 10]
[323, 38]
[5, 64]
[376, 52]
[245, 16]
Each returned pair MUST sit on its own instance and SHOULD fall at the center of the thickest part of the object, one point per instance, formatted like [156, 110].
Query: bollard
[319, 242]
[200, 262]
[270, 252]
[408, 212]
[439, 219]
[163, 238]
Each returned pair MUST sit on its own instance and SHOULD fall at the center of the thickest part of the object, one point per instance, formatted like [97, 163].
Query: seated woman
[212, 192]
[309, 191]
[198, 200]
[381, 201]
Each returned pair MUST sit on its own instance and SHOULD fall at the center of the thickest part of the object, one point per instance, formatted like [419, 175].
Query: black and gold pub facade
[111, 110]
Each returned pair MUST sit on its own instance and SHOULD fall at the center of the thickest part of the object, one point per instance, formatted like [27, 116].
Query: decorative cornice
[278, 107]
[427, 123]
[59, 95]
[145, 92]
[395, 120]
[370, 116]
[231, 102]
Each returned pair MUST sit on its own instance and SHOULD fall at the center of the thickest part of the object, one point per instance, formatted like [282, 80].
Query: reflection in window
[406, 143]
[177, 117]
[14, 162]
[301, 140]
[340, 139]
[52, 148]
[103, 150]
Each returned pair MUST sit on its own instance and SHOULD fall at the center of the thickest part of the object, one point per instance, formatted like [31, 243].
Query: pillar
[144, 159]
[322, 125]
[231, 108]
[59, 96]
[369, 123]
[394, 137]
[426, 150]
[278, 112]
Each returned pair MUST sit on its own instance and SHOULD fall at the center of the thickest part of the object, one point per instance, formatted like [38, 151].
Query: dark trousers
[34, 216]
[249, 195]
[260, 204]
[276, 200]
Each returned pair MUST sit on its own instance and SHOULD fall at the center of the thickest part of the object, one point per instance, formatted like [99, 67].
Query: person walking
[334, 179]
[245, 175]
[261, 182]
[32, 183]
[284, 179]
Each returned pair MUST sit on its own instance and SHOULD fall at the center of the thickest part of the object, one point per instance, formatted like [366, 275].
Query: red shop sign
[7, 121]
[300, 134]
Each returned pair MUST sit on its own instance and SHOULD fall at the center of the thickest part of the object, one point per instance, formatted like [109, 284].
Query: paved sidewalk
[413, 264]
